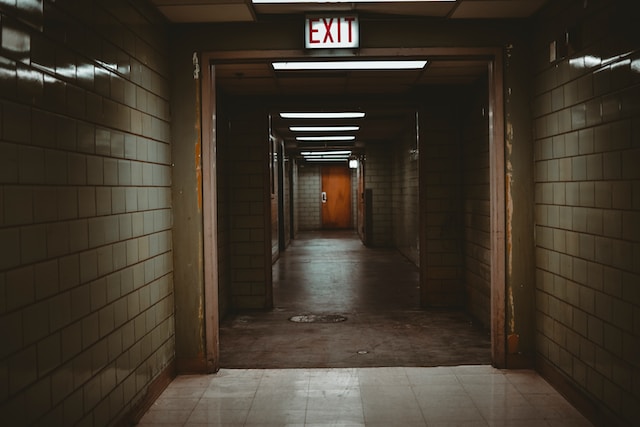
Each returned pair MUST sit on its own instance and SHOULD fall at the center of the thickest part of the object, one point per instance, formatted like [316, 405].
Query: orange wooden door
[336, 199]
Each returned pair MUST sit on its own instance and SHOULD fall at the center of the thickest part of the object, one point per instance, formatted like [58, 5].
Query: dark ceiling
[385, 96]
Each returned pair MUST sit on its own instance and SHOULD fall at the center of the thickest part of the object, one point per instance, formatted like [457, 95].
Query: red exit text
[331, 32]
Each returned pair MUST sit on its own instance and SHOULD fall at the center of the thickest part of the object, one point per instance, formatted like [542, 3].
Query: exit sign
[331, 32]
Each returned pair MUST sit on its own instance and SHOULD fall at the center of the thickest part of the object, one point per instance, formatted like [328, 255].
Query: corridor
[329, 276]
[162, 163]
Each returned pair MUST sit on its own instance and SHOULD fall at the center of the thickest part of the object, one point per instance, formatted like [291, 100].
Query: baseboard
[192, 365]
[155, 389]
[520, 361]
[592, 409]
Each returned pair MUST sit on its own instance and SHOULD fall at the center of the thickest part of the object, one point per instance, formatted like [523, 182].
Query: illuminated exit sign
[331, 32]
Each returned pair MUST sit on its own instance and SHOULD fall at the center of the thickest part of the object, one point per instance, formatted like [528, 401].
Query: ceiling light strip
[349, 65]
[324, 128]
[323, 115]
[324, 153]
[326, 138]
[327, 160]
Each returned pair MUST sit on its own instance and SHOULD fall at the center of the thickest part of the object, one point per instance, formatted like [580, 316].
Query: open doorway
[496, 208]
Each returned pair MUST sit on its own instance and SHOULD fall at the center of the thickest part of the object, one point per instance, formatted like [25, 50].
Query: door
[336, 197]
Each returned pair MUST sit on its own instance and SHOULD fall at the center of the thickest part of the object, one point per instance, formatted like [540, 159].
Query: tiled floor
[440, 396]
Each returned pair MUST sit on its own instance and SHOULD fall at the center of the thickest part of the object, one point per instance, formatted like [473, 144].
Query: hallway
[323, 275]
[157, 157]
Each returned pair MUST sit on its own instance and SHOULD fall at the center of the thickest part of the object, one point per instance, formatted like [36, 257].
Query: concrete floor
[333, 273]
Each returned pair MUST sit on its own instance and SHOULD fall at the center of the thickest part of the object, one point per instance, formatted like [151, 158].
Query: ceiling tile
[481, 9]
[199, 13]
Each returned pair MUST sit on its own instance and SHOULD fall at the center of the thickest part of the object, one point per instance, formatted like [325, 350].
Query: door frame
[494, 58]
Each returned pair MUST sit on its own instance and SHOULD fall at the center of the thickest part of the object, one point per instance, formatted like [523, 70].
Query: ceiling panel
[199, 11]
[496, 9]
[432, 8]
[385, 96]
[205, 11]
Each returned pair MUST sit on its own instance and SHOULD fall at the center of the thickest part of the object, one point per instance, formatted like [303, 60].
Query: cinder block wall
[475, 203]
[587, 202]
[250, 205]
[223, 226]
[405, 195]
[441, 202]
[308, 197]
[295, 184]
[86, 287]
[377, 178]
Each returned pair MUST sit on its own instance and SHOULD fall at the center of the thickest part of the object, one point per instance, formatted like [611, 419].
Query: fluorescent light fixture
[324, 128]
[334, 158]
[328, 115]
[353, 164]
[325, 153]
[326, 160]
[345, 1]
[350, 65]
[326, 138]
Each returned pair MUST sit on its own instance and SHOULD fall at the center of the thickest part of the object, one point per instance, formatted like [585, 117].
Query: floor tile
[475, 396]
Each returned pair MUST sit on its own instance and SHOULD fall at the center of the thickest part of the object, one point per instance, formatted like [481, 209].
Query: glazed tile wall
[250, 204]
[223, 199]
[476, 204]
[86, 307]
[377, 178]
[308, 197]
[406, 233]
[587, 202]
[440, 202]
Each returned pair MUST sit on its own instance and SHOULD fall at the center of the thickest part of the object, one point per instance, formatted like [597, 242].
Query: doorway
[496, 161]
[336, 197]
[340, 304]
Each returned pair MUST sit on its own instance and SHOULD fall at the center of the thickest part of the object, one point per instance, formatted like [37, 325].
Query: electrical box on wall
[564, 44]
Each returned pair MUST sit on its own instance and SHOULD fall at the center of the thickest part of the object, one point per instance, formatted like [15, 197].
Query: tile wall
[406, 233]
[249, 200]
[377, 178]
[587, 201]
[440, 203]
[476, 204]
[308, 197]
[86, 288]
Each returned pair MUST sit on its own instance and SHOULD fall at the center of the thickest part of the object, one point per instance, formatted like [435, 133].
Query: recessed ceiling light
[328, 115]
[350, 65]
[326, 138]
[324, 128]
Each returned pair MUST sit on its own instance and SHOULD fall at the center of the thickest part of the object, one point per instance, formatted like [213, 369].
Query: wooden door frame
[494, 58]
[209, 220]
